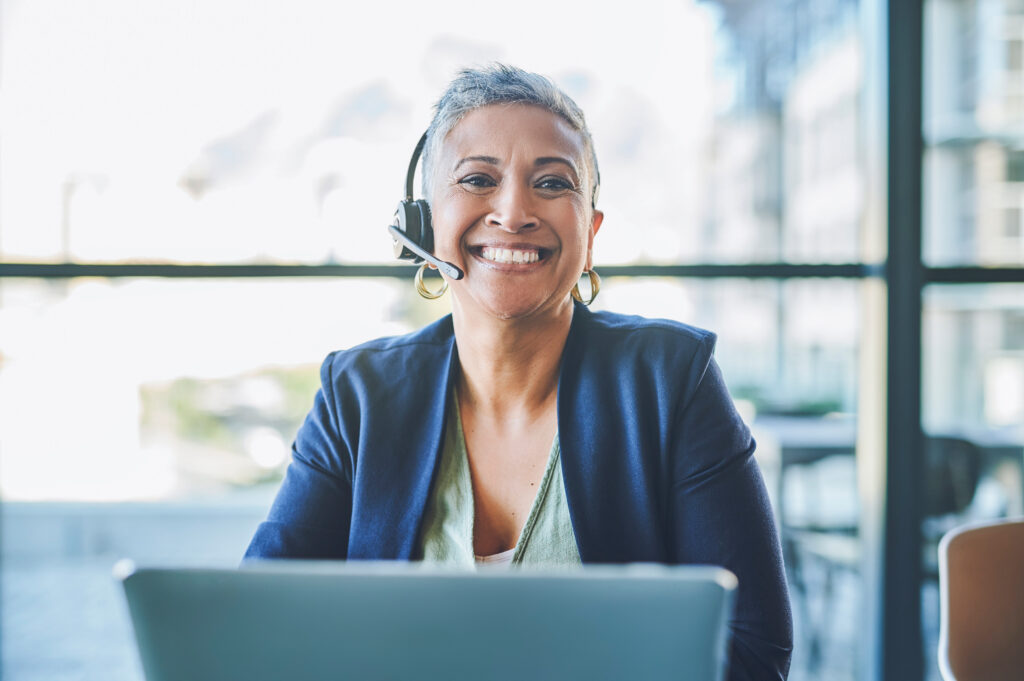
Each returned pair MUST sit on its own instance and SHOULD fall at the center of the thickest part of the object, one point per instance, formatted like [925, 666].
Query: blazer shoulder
[668, 356]
[648, 334]
[391, 359]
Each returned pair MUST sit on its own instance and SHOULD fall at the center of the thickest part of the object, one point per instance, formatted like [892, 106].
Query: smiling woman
[524, 428]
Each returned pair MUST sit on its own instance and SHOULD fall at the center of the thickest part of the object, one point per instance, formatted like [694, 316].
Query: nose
[512, 208]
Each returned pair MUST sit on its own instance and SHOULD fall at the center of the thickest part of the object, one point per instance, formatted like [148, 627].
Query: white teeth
[507, 255]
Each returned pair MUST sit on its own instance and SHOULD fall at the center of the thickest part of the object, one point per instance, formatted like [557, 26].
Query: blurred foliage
[208, 424]
[299, 385]
[772, 404]
[183, 399]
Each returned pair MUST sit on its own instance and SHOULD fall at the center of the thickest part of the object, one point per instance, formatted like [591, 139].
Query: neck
[510, 367]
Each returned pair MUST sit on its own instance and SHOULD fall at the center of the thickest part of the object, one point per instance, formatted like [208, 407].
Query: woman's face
[511, 207]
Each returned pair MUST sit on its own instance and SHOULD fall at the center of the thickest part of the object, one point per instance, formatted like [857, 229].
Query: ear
[594, 226]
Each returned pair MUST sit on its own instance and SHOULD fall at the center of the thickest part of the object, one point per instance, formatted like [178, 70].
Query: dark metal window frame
[256, 270]
[892, 575]
[773, 270]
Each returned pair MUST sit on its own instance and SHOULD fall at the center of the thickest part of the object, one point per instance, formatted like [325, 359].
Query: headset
[411, 231]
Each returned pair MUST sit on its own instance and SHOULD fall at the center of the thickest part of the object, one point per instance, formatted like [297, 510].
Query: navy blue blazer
[657, 465]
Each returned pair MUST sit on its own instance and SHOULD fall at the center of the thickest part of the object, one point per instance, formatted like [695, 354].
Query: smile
[508, 255]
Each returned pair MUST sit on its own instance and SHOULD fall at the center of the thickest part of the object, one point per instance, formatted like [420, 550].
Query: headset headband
[411, 173]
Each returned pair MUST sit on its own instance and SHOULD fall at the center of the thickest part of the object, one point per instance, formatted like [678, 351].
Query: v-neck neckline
[462, 454]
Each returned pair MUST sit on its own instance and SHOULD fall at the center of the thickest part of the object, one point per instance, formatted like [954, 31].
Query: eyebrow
[483, 159]
[542, 161]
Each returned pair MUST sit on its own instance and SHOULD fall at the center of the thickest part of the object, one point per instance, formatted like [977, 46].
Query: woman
[524, 428]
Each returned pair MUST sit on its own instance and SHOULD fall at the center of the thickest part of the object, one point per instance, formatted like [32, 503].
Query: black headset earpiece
[411, 231]
[412, 217]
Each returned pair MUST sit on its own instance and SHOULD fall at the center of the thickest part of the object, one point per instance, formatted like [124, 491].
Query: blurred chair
[952, 471]
[981, 580]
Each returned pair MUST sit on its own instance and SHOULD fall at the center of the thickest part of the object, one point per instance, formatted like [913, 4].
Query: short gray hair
[502, 84]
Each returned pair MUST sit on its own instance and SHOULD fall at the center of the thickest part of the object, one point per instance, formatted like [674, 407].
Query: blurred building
[974, 213]
[787, 169]
[786, 185]
[974, 122]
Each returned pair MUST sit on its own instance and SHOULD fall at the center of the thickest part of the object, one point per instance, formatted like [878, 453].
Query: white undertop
[496, 559]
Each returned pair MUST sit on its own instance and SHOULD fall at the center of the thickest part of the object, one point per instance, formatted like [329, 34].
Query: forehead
[507, 130]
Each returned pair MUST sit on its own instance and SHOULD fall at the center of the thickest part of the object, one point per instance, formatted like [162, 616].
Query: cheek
[443, 241]
[447, 219]
[582, 219]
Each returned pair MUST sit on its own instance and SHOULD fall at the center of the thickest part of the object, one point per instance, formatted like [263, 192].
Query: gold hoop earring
[423, 290]
[595, 287]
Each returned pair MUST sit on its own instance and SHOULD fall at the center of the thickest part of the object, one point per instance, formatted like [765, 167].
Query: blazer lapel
[404, 424]
[611, 489]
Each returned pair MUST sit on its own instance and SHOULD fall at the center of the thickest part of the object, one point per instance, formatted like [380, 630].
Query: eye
[478, 181]
[555, 183]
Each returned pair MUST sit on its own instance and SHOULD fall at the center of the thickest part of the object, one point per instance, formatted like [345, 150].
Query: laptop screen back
[294, 621]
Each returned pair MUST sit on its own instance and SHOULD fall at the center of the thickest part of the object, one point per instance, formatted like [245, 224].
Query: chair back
[981, 581]
[952, 471]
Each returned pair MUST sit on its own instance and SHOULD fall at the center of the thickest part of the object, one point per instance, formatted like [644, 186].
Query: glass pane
[785, 167]
[132, 131]
[150, 419]
[973, 415]
[725, 131]
[178, 399]
[789, 353]
[173, 388]
[974, 106]
[974, 373]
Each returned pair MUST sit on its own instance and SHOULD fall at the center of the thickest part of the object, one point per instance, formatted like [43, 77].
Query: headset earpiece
[412, 217]
[412, 232]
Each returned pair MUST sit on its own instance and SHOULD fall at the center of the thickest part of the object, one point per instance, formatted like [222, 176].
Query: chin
[506, 301]
[511, 310]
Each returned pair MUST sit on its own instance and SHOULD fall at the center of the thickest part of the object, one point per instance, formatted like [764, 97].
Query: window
[193, 212]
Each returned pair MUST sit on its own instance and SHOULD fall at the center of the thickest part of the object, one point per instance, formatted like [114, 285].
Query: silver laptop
[299, 621]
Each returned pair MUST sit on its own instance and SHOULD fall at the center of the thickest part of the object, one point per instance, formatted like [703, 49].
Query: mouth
[511, 256]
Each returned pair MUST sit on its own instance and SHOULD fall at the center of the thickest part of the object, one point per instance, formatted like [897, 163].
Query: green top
[447, 534]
